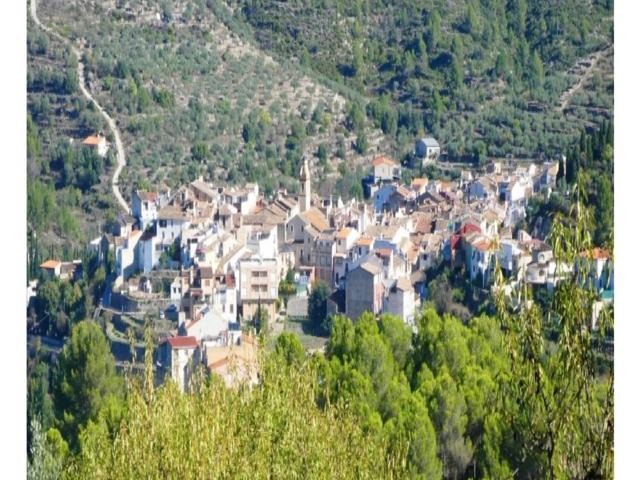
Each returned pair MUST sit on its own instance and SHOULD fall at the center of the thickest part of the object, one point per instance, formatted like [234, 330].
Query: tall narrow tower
[304, 198]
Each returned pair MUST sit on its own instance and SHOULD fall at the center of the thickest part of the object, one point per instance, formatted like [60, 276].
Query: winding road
[121, 161]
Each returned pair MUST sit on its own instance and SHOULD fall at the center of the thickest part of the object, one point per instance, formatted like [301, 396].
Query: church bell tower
[304, 198]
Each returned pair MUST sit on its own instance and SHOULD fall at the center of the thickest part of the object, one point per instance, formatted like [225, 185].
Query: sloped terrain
[483, 77]
[191, 97]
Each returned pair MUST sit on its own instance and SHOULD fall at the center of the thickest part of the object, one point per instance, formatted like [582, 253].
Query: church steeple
[304, 198]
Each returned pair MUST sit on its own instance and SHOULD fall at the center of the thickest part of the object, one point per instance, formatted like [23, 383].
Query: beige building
[258, 285]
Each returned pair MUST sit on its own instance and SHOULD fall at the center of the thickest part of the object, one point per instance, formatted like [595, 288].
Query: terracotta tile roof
[50, 264]
[344, 233]
[202, 187]
[455, 241]
[365, 241]
[419, 182]
[316, 218]
[482, 243]
[383, 160]
[403, 191]
[182, 342]
[468, 228]
[92, 140]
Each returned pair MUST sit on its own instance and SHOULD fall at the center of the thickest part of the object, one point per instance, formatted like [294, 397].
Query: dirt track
[121, 161]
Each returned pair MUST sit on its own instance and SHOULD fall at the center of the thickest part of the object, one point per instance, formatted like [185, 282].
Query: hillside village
[227, 250]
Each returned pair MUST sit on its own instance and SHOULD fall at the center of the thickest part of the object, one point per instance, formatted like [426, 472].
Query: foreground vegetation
[492, 397]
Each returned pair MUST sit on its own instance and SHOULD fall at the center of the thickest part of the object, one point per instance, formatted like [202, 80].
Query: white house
[207, 324]
[428, 148]
[172, 221]
[480, 258]
[144, 207]
[243, 199]
[148, 253]
[385, 169]
[401, 300]
[97, 142]
[262, 240]
[180, 356]
[126, 264]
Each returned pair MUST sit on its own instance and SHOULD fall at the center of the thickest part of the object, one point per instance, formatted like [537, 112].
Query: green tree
[537, 72]
[434, 30]
[362, 144]
[39, 401]
[358, 58]
[276, 429]
[602, 201]
[86, 379]
[448, 408]
[317, 306]
[397, 336]
[47, 453]
[261, 320]
[288, 346]
[199, 151]
[322, 154]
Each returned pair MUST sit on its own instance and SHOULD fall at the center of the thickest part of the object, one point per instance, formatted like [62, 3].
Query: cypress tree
[560, 169]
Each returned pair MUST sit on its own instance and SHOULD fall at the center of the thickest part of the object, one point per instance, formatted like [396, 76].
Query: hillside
[483, 77]
[68, 192]
[191, 97]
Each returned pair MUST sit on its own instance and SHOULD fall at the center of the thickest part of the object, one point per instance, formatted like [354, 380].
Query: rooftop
[50, 264]
[430, 142]
[93, 140]
[182, 342]
[382, 160]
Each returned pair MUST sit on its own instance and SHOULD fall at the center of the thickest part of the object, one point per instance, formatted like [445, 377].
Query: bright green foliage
[39, 401]
[47, 454]
[273, 430]
[365, 368]
[86, 379]
[288, 346]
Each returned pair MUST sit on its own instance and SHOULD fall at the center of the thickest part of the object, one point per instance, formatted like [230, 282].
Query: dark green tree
[86, 379]
[317, 306]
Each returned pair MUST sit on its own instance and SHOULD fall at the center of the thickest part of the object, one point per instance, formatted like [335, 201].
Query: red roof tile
[183, 342]
[383, 160]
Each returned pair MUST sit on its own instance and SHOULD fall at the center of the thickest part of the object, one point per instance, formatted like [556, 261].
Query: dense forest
[484, 77]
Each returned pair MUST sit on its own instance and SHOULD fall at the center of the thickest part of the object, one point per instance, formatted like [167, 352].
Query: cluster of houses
[230, 247]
